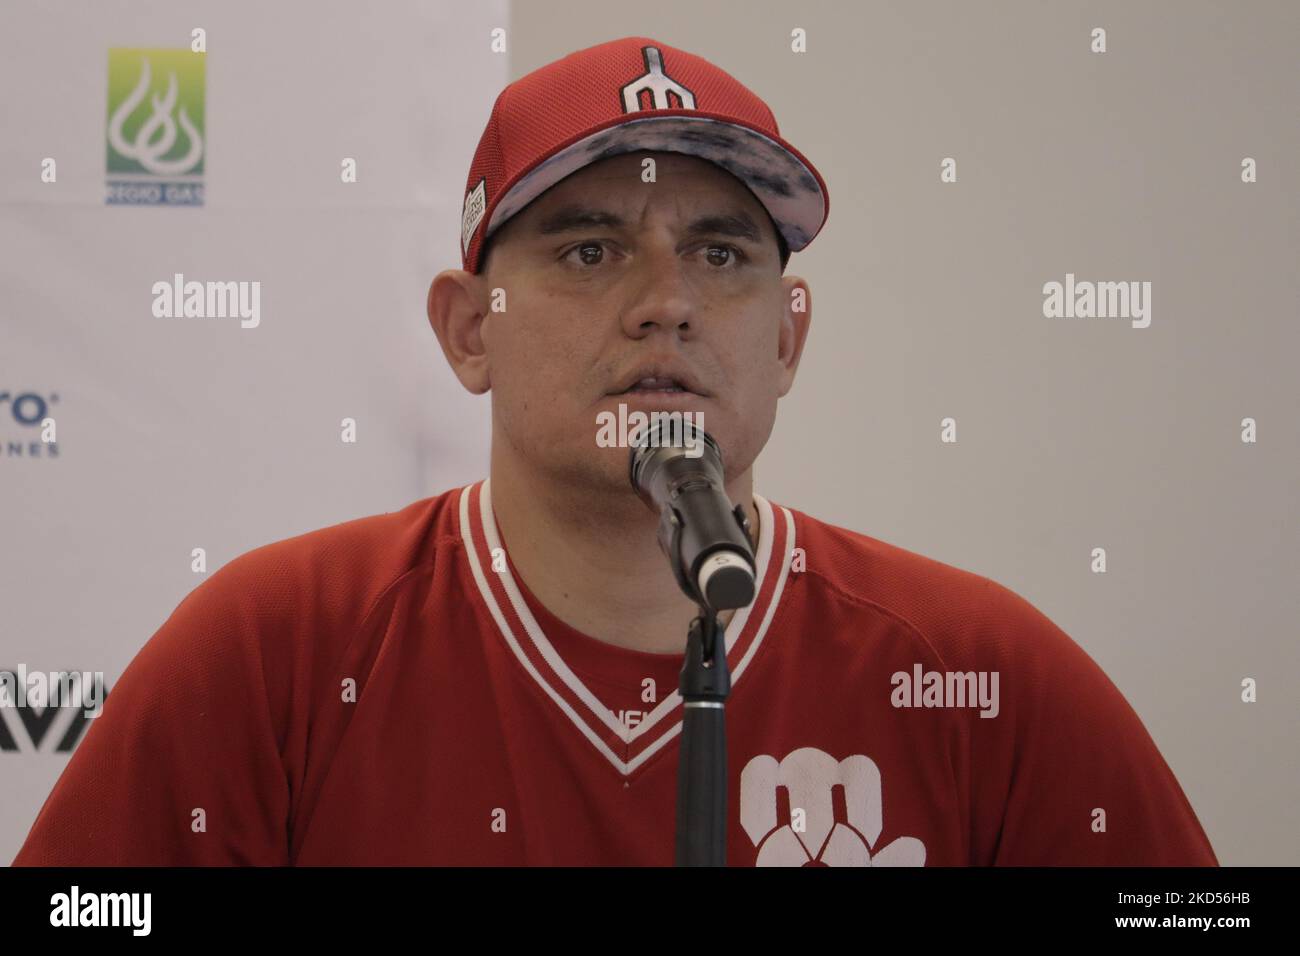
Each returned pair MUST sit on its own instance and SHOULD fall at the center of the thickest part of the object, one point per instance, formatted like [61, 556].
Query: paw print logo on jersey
[807, 780]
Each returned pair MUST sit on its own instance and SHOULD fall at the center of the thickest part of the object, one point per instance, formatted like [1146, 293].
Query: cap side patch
[472, 214]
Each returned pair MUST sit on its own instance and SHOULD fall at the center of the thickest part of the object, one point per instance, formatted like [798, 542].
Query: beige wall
[1072, 433]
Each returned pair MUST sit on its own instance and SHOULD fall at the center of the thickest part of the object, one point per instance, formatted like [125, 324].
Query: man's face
[606, 276]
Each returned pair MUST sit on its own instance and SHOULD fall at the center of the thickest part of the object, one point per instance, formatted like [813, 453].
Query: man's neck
[594, 562]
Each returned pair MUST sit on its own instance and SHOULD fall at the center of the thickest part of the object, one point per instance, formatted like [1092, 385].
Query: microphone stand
[705, 679]
[704, 686]
[702, 767]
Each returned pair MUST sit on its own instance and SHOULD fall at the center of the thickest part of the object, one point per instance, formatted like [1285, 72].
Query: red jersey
[387, 691]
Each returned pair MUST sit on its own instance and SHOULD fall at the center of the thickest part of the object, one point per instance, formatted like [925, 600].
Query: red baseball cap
[621, 97]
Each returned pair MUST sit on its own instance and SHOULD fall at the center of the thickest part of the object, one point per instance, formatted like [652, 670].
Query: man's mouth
[653, 385]
[659, 378]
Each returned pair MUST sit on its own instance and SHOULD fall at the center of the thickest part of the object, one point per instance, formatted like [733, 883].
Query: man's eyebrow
[737, 225]
[574, 218]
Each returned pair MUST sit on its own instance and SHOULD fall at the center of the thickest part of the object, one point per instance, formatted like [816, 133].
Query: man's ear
[457, 307]
[796, 317]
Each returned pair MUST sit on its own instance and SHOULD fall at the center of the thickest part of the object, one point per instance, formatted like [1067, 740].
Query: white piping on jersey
[765, 544]
[627, 734]
[487, 522]
[491, 602]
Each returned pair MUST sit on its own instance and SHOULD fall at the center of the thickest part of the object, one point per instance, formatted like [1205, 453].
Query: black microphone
[676, 468]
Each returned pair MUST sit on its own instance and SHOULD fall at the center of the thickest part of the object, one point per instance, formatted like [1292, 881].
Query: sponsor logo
[43, 701]
[24, 432]
[156, 141]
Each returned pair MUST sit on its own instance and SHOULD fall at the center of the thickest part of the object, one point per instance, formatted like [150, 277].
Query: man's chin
[649, 402]
[599, 471]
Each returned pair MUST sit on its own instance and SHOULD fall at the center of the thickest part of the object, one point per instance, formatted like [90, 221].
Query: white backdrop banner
[218, 225]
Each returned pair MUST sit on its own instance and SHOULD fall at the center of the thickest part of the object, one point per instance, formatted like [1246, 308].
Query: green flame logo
[163, 137]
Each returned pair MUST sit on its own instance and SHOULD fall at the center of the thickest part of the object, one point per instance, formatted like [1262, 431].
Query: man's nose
[659, 292]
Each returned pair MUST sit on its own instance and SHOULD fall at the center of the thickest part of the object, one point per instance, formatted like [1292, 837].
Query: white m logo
[658, 84]
[809, 776]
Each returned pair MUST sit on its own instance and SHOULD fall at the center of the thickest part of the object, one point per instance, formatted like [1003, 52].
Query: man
[489, 675]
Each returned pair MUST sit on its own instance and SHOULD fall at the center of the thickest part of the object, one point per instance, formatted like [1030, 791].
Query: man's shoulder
[396, 539]
[964, 616]
[335, 572]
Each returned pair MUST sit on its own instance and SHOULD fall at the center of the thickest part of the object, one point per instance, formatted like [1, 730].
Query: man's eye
[733, 255]
[590, 253]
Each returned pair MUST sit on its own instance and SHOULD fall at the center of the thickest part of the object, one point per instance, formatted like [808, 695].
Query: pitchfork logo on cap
[658, 85]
